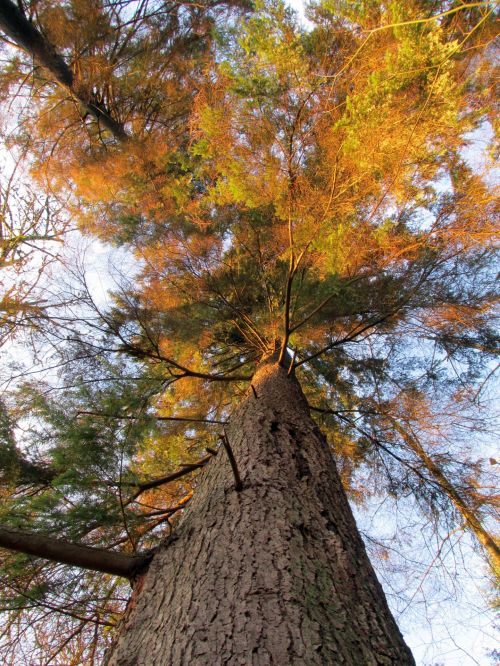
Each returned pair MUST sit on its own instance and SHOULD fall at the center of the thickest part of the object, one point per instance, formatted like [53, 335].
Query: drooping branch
[16, 470]
[323, 303]
[16, 25]
[172, 365]
[363, 327]
[77, 555]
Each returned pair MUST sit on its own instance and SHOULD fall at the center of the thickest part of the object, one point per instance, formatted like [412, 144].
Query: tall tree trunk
[274, 574]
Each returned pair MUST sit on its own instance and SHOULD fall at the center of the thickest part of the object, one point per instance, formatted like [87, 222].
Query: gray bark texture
[274, 574]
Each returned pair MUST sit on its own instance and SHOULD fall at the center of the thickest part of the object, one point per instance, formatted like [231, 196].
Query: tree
[299, 209]
[31, 229]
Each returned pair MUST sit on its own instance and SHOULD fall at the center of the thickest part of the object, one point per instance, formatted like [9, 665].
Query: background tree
[31, 230]
[272, 185]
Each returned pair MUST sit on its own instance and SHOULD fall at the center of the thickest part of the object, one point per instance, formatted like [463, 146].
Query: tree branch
[324, 302]
[351, 336]
[187, 419]
[187, 468]
[438, 479]
[238, 484]
[77, 555]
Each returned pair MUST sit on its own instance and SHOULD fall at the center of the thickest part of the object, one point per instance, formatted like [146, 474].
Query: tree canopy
[270, 185]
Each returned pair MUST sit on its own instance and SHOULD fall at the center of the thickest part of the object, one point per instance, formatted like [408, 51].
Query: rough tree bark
[274, 574]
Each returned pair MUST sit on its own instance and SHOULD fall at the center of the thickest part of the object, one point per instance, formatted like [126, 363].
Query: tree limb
[77, 555]
[238, 484]
[186, 468]
[127, 417]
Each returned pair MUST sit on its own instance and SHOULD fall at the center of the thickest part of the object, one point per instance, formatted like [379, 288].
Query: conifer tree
[311, 250]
